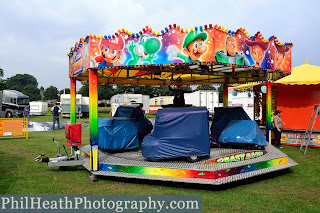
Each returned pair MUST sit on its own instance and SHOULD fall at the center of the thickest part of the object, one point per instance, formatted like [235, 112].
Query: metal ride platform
[223, 166]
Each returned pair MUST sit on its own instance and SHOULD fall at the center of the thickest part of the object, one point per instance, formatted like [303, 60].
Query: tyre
[193, 159]
[9, 114]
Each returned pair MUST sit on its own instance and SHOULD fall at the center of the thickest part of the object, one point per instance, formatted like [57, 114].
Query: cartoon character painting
[111, 51]
[258, 48]
[193, 47]
[145, 50]
[280, 53]
[71, 62]
[85, 56]
[231, 56]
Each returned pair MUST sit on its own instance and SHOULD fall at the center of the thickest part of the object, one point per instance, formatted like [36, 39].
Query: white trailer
[82, 105]
[157, 103]
[129, 99]
[85, 106]
[206, 98]
[38, 108]
[243, 99]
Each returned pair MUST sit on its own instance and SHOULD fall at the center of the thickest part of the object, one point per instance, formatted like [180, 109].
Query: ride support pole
[225, 95]
[268, 112]
[73, 100]
[93, 115]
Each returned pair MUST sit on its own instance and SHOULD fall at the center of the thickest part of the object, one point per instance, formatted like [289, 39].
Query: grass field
[293, 190]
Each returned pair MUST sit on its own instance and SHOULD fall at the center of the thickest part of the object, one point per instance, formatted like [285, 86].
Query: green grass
[293, 190]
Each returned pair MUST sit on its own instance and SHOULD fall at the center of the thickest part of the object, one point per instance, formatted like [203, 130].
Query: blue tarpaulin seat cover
[116, 134]
[243, 132]
[178, 132]
[222, 117]
[134, 111]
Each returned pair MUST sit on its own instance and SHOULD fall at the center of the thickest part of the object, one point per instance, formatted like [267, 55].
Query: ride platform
[224, 165]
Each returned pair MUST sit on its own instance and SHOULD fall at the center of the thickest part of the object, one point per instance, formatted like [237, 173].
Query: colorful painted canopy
[204, 55]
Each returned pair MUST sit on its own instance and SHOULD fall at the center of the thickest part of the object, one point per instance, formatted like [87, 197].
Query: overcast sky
[36, 35]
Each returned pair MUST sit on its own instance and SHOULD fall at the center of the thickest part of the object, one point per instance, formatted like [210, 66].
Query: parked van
[13, 103]
[38, 108]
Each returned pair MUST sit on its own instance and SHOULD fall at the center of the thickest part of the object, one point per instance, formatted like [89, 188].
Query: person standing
[141, 107]
[26, 113]
[277, 121]
[56, 111]
[178, 100]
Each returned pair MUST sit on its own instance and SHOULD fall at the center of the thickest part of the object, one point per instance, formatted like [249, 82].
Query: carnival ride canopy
[304, 74]
[203, 55]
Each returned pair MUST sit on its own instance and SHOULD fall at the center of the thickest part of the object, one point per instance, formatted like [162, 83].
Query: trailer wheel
[193, 159]
[9, 114]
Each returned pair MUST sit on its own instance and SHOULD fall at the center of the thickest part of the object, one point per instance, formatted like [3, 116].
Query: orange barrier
[13, 128]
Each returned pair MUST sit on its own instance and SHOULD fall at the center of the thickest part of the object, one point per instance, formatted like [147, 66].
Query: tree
[51, 93]
[124, 89]
[161, 91]
[144, 90]
[3, 85]
[16, 87]
[1, 72]
[105, 92]
[84, 90]
[33, 92]
[21, 80]
[64, 91]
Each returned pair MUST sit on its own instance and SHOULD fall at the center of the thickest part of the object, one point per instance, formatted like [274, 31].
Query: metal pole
[307, 131]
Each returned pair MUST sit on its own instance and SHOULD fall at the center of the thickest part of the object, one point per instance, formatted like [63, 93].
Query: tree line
[28, 85]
